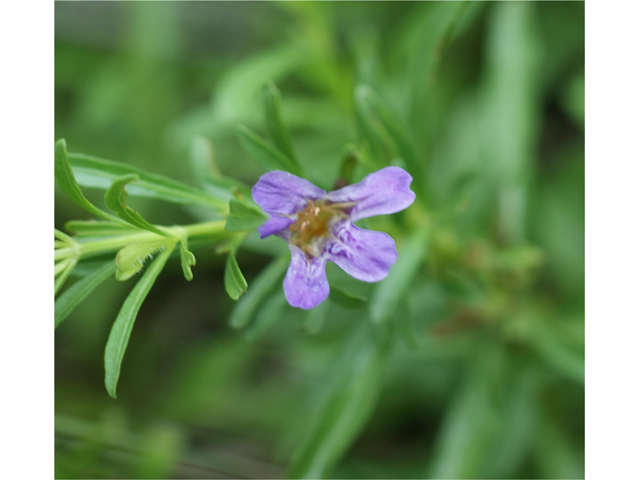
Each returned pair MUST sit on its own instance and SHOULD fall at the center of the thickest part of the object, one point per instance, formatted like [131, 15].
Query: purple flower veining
[319, 226]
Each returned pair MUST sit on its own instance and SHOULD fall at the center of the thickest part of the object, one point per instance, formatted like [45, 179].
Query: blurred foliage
[466, 362]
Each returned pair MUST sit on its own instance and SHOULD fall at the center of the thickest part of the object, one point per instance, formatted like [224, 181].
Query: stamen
[311, 230]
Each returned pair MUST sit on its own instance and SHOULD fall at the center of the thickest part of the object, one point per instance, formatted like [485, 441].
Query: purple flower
[319, 226]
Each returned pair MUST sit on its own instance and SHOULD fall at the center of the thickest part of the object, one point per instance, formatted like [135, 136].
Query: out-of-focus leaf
[116, 198]
[556, 353]
[187, 259]
[131, 258]
[203, 160]
[67, 181]
[346, 299]
[272, 311]
[234, 281]
[267, 156]
[512, 110]
[554, 451]
[433, 34]
[392, 132]
[275, 123]
[207, 174]
[98, 173]
[343, 408]
[573, 100]
[315, 318]
[238, 90]
[471, 425]
[77, 292]
[378, 139]
[92, 228]
[244, 216]
[391, 290]
[121, 330]
[260, 289]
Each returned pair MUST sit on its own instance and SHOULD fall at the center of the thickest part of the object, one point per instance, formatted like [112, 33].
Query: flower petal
[284, 193]
[306, 284]
[275, 224]
[380, 193]
[364, 254]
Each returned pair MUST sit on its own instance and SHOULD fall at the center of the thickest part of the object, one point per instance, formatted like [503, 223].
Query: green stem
[214, 229]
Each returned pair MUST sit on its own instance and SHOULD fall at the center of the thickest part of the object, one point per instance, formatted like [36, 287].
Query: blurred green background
[488, 381]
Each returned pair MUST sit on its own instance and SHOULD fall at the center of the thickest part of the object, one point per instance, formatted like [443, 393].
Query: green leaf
[116, 198]
[315, 318]
[275, 123]
[62, 271]
[388, 293]
[203, 159]
[98, 173]
[131, 258]
[395, 134]
[470, 425]
[260, 289]
[67, 181]
[234, 281]
[371, 131]
[267, 156]
[345, 404]
[121, 330]
[93, 228]
[207, 174]
[346, 299]
[77, 292]
[272, 311]
[442, 22]
[238, 89]
[187, 259]
[244, 216]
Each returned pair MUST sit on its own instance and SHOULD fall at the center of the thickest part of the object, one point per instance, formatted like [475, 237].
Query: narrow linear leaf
[98, 173]
[62, 272]
[121, 330]
[92, 228]
[243, 216]
[132, 258]
[187, 259]
[234, 282]
[67, 181]
[394, 132]
[372, 132]
[116, 198]
[345, 404]
[388, 293]
[267, 156]
[275, 123]
[346, 299]
[76, 293]
[260, 289]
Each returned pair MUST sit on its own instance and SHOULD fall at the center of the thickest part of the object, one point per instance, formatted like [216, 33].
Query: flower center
[311, 230]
